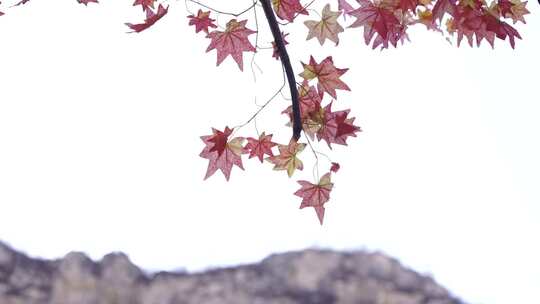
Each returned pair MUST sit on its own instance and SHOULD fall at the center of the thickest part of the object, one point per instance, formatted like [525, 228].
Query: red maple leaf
[233, 41]
[219, 139]
[380, 22]
[315, 195]
[145, 4]
[335, 127]
[501, 29]
[326, 74]
[332, 127]
[221, 152]
[202, 21]
[260, 147]
[345, 127]
[288, 9]
[85, 2]
[151, 19]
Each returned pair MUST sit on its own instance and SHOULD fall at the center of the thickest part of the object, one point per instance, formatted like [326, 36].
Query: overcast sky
[99, 144]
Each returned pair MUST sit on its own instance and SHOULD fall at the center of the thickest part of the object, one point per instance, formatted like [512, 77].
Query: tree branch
[284, 56]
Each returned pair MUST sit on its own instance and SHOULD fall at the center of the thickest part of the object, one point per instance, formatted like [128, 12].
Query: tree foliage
[385, 23]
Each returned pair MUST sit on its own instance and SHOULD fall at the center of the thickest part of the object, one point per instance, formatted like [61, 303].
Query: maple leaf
[151, 18]
[288, 9]
[501, 29]
[145, 4]
[517, 11]
[233, 41]
[332, 127]
[221, 152]
[287, 158]
[379, 22]
[345, 127]
[327, 28]
[315, 195]
[326, 74]
[335, 127]
[308, 98]
[85, 2]
[202, 21]
[260, 147]
[310, 109]
[275, 53]
[514, 9]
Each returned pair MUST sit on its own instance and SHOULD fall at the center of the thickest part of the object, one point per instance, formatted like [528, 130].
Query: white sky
[99, 144]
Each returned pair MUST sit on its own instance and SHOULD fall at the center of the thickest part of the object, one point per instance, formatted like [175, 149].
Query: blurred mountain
[309, 276]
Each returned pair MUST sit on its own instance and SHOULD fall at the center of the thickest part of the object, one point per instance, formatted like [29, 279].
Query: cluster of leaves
[384, 22]
[223, 151]
[334, 127]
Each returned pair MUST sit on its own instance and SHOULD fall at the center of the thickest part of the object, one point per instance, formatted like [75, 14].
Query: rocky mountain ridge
[309, 276]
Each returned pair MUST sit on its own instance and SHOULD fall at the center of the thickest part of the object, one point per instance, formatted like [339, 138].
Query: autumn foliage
[382, 23]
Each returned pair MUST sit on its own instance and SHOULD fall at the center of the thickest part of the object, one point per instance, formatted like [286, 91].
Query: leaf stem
[284, 56]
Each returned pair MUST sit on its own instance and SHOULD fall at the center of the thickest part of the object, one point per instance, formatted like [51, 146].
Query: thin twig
[263, 106]
[223, 12]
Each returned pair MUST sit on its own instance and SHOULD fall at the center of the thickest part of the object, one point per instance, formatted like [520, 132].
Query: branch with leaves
[384, 23]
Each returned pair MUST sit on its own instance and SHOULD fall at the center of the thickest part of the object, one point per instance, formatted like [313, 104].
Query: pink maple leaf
[288, 9]
[380, 22]
[233, 41]
[332, 127]
[327, 75]
[202, 21]
[315, 195]
[151, 19]
[260, 147]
